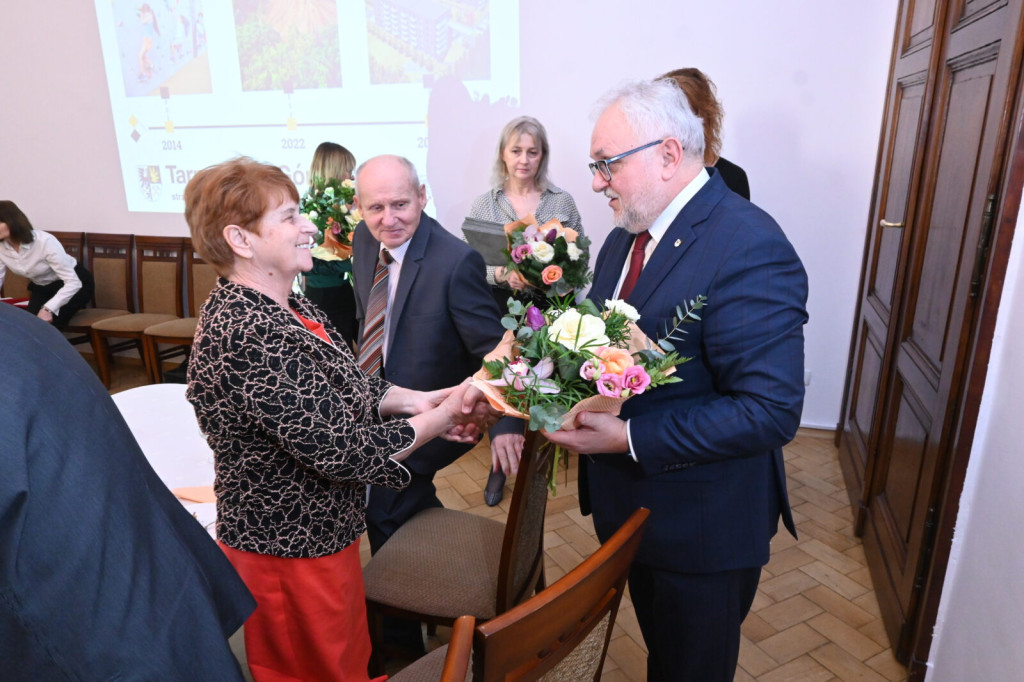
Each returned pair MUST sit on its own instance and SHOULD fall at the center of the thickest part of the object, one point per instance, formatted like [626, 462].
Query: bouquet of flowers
[552, 365]
[549, 257]
[328, 205]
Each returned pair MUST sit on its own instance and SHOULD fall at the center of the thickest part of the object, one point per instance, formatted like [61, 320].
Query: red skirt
[310, 617]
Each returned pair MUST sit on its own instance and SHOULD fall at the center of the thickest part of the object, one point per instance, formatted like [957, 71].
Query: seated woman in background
[329, 283]
[520, 187]
[701, 93]
[297, 430]
[59, 286]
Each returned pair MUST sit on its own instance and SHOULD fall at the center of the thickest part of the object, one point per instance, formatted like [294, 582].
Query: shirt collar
[664, 220]
[398, 253]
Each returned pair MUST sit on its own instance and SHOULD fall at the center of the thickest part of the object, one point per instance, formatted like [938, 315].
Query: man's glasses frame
[602, 165]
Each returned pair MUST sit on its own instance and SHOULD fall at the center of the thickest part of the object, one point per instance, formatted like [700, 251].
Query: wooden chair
[158, 275]
[200, 279]
[447, 663]
[562, 633]
[109, 258]
[445, 563]
[15, 286]
[73, 243]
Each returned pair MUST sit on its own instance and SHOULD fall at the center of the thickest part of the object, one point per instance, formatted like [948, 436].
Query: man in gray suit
[439, 321]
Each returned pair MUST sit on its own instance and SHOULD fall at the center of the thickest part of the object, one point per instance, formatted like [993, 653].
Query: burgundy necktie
[371, 351]
[636, 264]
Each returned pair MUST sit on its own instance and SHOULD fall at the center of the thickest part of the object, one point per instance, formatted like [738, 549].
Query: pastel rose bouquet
[548, 257]
[328, 205]
[553, 364]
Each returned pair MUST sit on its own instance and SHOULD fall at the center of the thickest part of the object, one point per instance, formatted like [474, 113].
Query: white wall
[803, 84]
[981, 615]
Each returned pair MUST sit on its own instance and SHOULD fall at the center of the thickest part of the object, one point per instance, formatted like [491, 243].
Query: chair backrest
[460, 651]
[159, 263]
[15, 286]
[201, 278]
[522, 551]
[109, 257]
[562, 633]
[73, 243]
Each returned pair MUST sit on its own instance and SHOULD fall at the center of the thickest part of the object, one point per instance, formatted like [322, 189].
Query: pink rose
[635, 379]
[551, 274]
[610, 385]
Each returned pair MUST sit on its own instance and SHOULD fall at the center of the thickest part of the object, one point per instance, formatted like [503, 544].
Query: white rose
[347, 182]
[329, 191]
[542, 251]
[313, 215]
[575, 331]
[621, 307]
[573, 251]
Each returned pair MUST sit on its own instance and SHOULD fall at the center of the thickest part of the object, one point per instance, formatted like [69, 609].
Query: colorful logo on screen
[149, 181]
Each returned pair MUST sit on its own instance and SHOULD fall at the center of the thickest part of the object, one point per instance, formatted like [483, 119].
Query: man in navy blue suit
[103, 573]
[704, 455]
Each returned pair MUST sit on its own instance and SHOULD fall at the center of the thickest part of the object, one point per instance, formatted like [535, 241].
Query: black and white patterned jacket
[293, 423]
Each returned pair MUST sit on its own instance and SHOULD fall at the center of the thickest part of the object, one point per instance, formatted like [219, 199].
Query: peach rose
[570, 235]
[615, 360]
[551, 274]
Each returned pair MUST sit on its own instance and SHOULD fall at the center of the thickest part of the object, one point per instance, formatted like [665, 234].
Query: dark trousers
[691, 621]
[39, 294]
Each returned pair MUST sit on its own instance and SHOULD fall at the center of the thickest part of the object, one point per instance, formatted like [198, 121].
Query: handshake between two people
[458, 413]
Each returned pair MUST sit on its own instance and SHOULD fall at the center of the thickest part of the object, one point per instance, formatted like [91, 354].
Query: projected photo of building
[411, 39]
[285, 45]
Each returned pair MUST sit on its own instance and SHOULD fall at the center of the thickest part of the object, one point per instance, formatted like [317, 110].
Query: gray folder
[488, 238]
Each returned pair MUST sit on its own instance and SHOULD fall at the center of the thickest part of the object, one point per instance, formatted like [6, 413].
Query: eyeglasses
[603, 164]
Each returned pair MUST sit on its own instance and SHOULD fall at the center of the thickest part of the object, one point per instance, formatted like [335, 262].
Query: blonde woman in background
[329, 283]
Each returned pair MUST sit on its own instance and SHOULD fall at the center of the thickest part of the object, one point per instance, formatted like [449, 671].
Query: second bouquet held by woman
[550, 259]
[552, 365]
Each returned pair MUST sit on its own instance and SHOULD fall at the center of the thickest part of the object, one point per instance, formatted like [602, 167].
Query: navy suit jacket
[442, 322]
[103, 573]
[709, 449]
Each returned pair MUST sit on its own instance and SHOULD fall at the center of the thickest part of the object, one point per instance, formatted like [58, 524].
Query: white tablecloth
[164, 424]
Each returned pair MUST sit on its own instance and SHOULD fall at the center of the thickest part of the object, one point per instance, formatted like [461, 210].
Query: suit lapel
[678, 238]
[607, 276]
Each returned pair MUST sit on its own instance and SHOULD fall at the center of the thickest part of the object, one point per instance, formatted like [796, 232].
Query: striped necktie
[371, 351]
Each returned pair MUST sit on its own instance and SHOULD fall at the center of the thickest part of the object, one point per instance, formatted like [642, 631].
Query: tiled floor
[815, 616]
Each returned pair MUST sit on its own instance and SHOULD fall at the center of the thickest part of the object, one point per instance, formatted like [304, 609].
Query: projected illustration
[285, 45]
[409, 40]
[194, 82]
[162, 44]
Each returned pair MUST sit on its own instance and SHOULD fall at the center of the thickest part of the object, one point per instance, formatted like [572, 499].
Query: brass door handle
[885, 223]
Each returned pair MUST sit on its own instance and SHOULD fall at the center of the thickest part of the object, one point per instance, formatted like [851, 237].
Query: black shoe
[495, 488]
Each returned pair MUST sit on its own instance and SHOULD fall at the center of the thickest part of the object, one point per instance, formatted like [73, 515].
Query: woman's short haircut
[17, 222]
[523, 125]
[702, 94]
[237, 192]
[331, 161]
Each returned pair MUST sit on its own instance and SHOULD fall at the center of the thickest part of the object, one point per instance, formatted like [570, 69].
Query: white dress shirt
[42, 262]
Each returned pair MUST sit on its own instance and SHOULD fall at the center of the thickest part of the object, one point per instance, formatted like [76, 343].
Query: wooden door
[900, 160]
[908, 374]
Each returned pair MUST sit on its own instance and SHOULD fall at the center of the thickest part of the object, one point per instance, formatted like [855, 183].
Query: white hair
[656, 110]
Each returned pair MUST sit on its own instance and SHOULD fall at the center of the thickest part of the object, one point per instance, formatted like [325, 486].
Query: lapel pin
[678, 242]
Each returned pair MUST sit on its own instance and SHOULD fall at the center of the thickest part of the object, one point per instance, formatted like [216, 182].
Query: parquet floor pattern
[815, 617]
